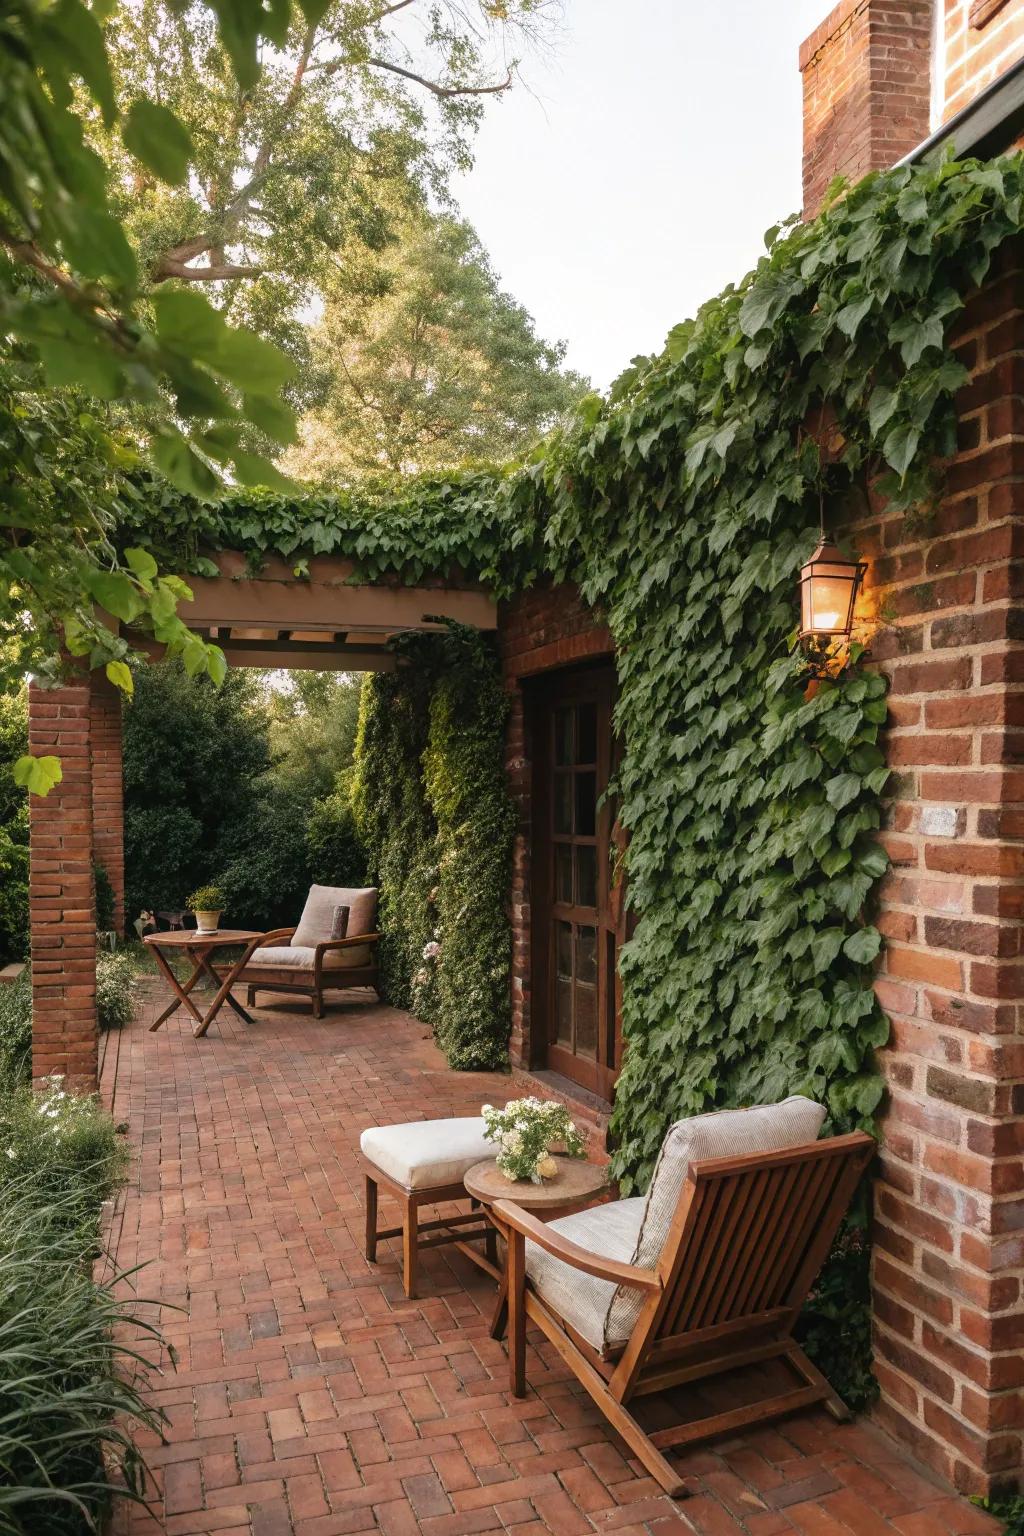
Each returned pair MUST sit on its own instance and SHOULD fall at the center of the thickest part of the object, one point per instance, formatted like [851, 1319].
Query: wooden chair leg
[829, 1396]
[371, 1219]
[517, 1313]
[318, 1003]
[410, 1248]
[250, 997]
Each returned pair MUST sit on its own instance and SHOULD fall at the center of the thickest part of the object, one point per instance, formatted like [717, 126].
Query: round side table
[576, 1184]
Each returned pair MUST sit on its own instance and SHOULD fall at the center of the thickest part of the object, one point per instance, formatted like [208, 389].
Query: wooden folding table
[198, 947]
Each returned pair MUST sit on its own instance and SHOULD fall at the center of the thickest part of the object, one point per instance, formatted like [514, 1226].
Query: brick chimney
[867, 90]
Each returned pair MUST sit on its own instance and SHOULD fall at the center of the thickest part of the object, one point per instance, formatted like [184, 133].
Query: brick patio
[311, 1397]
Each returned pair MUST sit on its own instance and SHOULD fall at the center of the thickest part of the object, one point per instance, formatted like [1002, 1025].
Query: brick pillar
[61, 914]
[108, 788]
[867, 90]
[949, 1253]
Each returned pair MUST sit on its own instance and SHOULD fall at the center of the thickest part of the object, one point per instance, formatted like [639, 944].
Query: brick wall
[866, 90]
[968, 58]
[108, 788]
[61, 896]
[949, 1257]
[544, 628]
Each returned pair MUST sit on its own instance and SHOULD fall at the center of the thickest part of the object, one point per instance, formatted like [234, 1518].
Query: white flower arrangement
[525, 1131]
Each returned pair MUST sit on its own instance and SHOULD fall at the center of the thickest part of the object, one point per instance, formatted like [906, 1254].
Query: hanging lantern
[828, 591]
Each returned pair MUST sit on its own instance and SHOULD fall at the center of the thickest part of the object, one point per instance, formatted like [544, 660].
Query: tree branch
[444, 92]
[211, 274]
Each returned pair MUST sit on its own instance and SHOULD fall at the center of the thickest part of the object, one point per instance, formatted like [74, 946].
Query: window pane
[563, 949]
[586, 876]
[586, 1022]
[563, 802]
[586, 956]
[564, 737]
[563, 872]
[586, 799]
[563, 1012]
[586, 742]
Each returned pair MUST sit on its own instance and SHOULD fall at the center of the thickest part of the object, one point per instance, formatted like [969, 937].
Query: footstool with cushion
[423, 1163]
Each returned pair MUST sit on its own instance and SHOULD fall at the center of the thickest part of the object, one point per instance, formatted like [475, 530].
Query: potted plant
[525, 1131]
[207, 903]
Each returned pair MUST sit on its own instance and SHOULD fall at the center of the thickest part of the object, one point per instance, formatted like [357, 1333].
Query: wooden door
[576, 926]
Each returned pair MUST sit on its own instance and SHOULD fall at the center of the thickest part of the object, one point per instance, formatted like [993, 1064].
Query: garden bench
[332, 948]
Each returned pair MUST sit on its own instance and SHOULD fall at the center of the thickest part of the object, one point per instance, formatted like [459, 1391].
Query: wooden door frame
[541, 694]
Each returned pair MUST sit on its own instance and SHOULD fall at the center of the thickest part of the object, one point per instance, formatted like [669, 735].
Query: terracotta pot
[207, 922]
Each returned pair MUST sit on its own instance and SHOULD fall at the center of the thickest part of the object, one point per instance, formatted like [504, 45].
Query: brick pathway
[311, 1397]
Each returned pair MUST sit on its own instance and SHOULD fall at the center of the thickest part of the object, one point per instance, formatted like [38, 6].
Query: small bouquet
[525, 1131]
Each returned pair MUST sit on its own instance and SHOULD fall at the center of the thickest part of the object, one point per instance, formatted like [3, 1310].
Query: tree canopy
[424, 362]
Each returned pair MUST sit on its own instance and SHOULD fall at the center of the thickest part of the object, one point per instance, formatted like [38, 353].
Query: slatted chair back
[751, 1234]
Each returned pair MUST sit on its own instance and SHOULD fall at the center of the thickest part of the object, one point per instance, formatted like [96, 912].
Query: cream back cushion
[724, 1133]
[317, 920]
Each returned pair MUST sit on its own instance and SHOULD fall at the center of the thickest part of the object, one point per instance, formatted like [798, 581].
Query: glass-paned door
[576, 933]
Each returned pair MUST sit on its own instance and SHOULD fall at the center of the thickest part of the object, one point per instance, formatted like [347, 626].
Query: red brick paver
[311, 1397]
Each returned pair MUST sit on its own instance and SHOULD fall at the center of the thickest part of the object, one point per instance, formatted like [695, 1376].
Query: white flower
[487, 1109]
[11, 1152]
[431, 950]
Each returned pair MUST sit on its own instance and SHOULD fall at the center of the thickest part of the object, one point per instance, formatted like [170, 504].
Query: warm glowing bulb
[826, 621]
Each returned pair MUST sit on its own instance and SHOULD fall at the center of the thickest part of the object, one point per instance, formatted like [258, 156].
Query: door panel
[576, 920]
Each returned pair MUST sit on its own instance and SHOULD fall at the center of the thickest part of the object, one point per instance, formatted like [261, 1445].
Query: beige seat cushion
[427, 1153]
[582, 1300]
[317, 920]
[300, 957]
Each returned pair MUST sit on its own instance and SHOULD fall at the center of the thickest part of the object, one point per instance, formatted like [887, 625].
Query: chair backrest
[318, 920]
[751, 1234]
[720, 1133]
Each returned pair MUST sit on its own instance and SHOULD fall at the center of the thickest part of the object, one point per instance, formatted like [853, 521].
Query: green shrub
[334, 850]
[104, 899]
[67, 1390]
[13, 830]
[61, 1146]
[835, 1325]
[15, 1032]
[1008, 1507]
[115, 984]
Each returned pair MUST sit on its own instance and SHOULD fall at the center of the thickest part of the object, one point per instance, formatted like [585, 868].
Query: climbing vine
[822, 385]
[435, 816]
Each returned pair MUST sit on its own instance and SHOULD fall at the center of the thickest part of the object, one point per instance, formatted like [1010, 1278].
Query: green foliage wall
[434, 813]
[13, 830]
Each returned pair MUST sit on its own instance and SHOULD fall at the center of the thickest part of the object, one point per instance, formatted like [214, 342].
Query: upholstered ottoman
[423, 1163]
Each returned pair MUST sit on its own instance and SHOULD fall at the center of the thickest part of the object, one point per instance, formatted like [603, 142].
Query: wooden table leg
[225, 987]
[181, 993]
[204, 961]
[516, 1270]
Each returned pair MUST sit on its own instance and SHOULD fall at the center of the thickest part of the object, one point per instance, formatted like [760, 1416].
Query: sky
[637, 174]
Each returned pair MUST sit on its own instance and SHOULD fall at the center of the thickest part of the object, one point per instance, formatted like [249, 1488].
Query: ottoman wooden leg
[410, 1247]
[371, 1219]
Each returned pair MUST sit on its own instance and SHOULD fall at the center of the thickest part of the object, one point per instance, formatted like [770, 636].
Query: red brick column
[108, 788]
[949, 1255]
[867, 90]
[63, 925]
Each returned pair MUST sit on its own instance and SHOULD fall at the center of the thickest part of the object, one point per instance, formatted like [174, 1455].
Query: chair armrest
[351, 942]
[275, 936]
[511, 1215]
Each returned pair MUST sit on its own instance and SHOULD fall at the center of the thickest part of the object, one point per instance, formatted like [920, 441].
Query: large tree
[363, 111]
[423, 362]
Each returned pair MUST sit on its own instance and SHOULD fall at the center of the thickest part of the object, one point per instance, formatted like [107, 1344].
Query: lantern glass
[828, 590]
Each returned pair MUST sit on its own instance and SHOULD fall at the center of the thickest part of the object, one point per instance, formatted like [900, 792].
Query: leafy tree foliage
[426, 363]
[238, 785]
[358, 111]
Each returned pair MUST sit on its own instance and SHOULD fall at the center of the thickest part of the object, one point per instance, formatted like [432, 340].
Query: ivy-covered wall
[435, 816]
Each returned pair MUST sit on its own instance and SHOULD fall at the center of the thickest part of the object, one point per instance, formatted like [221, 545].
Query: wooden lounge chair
[705, 1274]
[332, 948]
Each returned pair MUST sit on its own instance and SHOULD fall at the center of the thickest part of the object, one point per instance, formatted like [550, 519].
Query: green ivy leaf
[121, 677]
[863, 946]
[37, 774]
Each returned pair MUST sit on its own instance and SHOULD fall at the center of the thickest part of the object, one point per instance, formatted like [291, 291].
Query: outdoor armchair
[332, 947]
[705, 1274]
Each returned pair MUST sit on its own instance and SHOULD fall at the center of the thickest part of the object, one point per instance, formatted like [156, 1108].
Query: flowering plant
[526, 1130]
